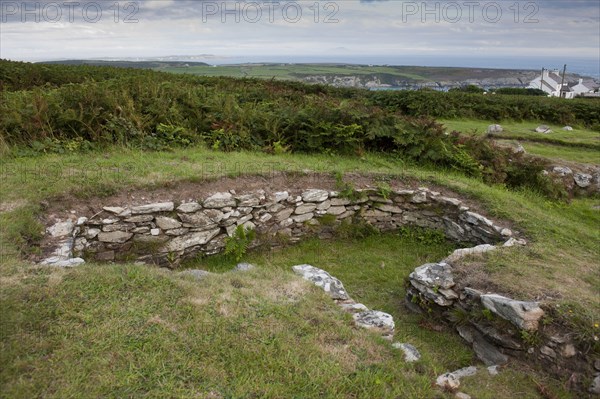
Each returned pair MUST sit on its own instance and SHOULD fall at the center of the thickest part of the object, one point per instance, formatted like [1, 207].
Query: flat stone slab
[525, 315]
[437, 275]
[315, 195]
[464, 252]
[321, 278]
[244, 267]
[191, 240]
[152, 208]
[374, 319]
[61, 229]
[219, 200]
[57, 262]
[411, 354]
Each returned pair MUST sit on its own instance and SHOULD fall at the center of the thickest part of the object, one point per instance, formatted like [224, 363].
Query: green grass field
[579, 145]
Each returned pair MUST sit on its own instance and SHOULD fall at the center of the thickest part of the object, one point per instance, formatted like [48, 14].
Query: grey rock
[155, 232]
[109, 221]
[524, 315]
[118, 227]
[189, 207]
[306, 208]
[249, 200]
[465, 372]
[141, 230]
[280, 196]
[81, 221]
[543, 129]
[91, 233]
[321, 278]
[198, 219]
[219, 200]
[140, 219]
[177, 232]
[511, 242]
[419, 198]
[323, 206]
[461, 395]
[547, 351]
[336, 210]
[493, 370]
[340, 202]
[190, 240]
[73, 262]
[475, 218]
[389, 208]
[464, 252]
[494, 129]
[567, 128]
[244, 267]
[117, 210]
[167, 223]
[153, 208]
[411, 354]
[595, 387]
[353, 307]
[485, 351]
[583, 180]
[284, 214]
[315, 195]
[61, 229]
[117, 237]
[562, 171]
[448, 382]
[303, 218]
[437, 275]
[374, 319]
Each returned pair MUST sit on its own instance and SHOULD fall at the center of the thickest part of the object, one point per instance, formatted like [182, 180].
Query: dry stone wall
[165, 233]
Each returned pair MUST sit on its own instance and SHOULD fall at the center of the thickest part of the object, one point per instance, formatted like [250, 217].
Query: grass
[558, 152]
[133, 331]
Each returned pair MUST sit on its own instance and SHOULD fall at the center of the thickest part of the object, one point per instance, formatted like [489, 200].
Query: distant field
[385, 73]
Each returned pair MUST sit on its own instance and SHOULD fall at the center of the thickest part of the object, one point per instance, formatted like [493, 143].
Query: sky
[474, 33]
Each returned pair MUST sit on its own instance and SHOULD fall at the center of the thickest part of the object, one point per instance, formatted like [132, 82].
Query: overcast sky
[252, 30]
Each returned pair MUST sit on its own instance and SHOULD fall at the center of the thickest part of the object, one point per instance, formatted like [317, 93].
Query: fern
[237, 245]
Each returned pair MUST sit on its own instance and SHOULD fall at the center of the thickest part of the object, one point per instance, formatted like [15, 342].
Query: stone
[117, 210]
[475, 218]
[141, 230]
[306, 208]
[340, 202]
[485, 351]
[153, 208]
[547, 351]
[177, 232]
[448, 382]
[279, 196]
[198, 219]
[195, 274]
[244, 267]
[374, 319]
[72, 262]
[149, 239]
[91, 233]
[265, 218]
[543, 129]
[336, 210]
[524, 315]
[511, 242]
[118, 227]
[155, 232]
[61, 229]
[437, 275]
[583, 180]
[167, 223]
[462, 395]
[568, 351]
[321, 278]
[284, 214]
[494, 129]
[465, 372]
[81, 221]
[323, 206]
[117, 237]
[189, 207]
[411, 354]
[502, 339]
[353, 307]
[303, 218]
[419, 198]
[463, 252]
[562, 171]
[248, 200]
[219, 200]
[315, 195]
[389, 208]
[567, 128]
[140, 219]
[190, 240]
[109, 221]
[595, 387]
[493, 370]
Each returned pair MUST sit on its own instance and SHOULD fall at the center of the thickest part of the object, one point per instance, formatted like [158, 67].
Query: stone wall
[165, 233]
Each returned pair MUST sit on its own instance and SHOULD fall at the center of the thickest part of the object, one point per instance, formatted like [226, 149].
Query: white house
[584, 87]
[550, 82]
